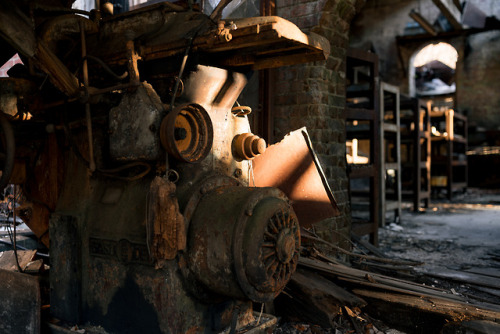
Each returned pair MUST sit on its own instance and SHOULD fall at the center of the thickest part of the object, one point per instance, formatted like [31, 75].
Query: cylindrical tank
[244, 242]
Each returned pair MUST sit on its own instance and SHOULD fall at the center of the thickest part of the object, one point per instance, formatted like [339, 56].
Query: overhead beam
[422, 21]
[451, 12]
[458, 4]
[16, 29]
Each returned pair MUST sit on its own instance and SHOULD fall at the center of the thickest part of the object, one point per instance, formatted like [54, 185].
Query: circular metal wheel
[187, 133]
[7, 150]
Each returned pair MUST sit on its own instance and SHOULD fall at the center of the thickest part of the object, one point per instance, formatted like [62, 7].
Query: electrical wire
[106, 67]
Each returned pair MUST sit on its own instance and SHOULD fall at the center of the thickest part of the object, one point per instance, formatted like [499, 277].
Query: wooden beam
[422, 21]
[16, 29]
[451, 12]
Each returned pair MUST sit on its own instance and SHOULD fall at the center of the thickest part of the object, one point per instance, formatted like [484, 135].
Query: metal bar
[88, 115]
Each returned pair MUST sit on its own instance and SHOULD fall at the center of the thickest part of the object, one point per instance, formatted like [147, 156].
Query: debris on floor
[433, 273]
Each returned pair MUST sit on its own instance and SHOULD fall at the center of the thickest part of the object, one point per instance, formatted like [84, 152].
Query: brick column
[313, 95]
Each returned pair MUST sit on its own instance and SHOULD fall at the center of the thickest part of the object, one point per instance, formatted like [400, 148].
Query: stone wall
[313, 95]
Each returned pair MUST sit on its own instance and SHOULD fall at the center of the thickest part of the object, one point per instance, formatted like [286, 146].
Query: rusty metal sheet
[292, 166]
[135, 124]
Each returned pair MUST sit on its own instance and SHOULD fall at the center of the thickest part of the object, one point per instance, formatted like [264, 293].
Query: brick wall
[313, 95]
[11, 62]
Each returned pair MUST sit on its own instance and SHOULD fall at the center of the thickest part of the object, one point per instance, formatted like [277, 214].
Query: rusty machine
[135, 161]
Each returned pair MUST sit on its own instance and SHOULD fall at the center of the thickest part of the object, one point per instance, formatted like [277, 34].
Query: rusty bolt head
[247, 146]
[238, 172]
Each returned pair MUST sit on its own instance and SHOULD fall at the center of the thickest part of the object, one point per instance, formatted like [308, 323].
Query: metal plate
[292, 166]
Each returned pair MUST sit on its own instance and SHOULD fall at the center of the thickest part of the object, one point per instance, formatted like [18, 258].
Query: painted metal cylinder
[244, 242]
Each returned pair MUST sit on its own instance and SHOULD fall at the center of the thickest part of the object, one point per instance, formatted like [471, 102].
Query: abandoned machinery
[133, 152]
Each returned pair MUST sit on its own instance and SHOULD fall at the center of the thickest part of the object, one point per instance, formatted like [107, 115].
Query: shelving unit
[390, 136]
[416, 151]
[448, 154]
[362, 127]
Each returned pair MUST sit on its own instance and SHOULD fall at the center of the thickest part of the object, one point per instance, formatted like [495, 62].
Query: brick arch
[313, 95]
[455, 43]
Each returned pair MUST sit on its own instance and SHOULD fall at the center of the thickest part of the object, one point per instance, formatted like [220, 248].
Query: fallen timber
[401, 304]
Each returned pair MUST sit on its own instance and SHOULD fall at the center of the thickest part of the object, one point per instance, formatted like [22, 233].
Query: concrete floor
[456, 234]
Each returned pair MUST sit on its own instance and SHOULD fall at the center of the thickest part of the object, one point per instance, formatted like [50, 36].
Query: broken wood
[357, 276]
[368, 246]
[8, 259]
[464, 277]
[447, 309]
[451, 12]
[405, 305]
[422, 21]
[353, 320]
[366, 257]
[313, 298]
[493, 292]
[492, 272]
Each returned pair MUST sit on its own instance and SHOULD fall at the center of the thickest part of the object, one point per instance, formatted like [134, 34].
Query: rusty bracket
[223, 33]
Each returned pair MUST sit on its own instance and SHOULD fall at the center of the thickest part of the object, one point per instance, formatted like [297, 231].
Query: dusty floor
[457, 234]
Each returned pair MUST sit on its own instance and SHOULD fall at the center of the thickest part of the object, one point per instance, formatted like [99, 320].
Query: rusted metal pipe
[88, 115]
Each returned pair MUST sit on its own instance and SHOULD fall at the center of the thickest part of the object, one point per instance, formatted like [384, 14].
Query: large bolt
[247, 146]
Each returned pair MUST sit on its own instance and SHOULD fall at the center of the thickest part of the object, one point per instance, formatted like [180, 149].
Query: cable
[106, 67]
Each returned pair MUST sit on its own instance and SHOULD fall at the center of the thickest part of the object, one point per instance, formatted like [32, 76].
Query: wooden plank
[464, 277]
[8, 259]
[368, 246]
[383, 287]
[339, 271]
[315, 299]
[449, 309]
[492, 272]
[451, 12]
[422, 21]
[493, 292]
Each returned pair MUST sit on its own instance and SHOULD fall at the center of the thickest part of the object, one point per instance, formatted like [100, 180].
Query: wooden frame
[390, 134]
[416, 138]
[367, 112]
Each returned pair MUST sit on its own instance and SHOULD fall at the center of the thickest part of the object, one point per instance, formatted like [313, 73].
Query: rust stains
[165, 221]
